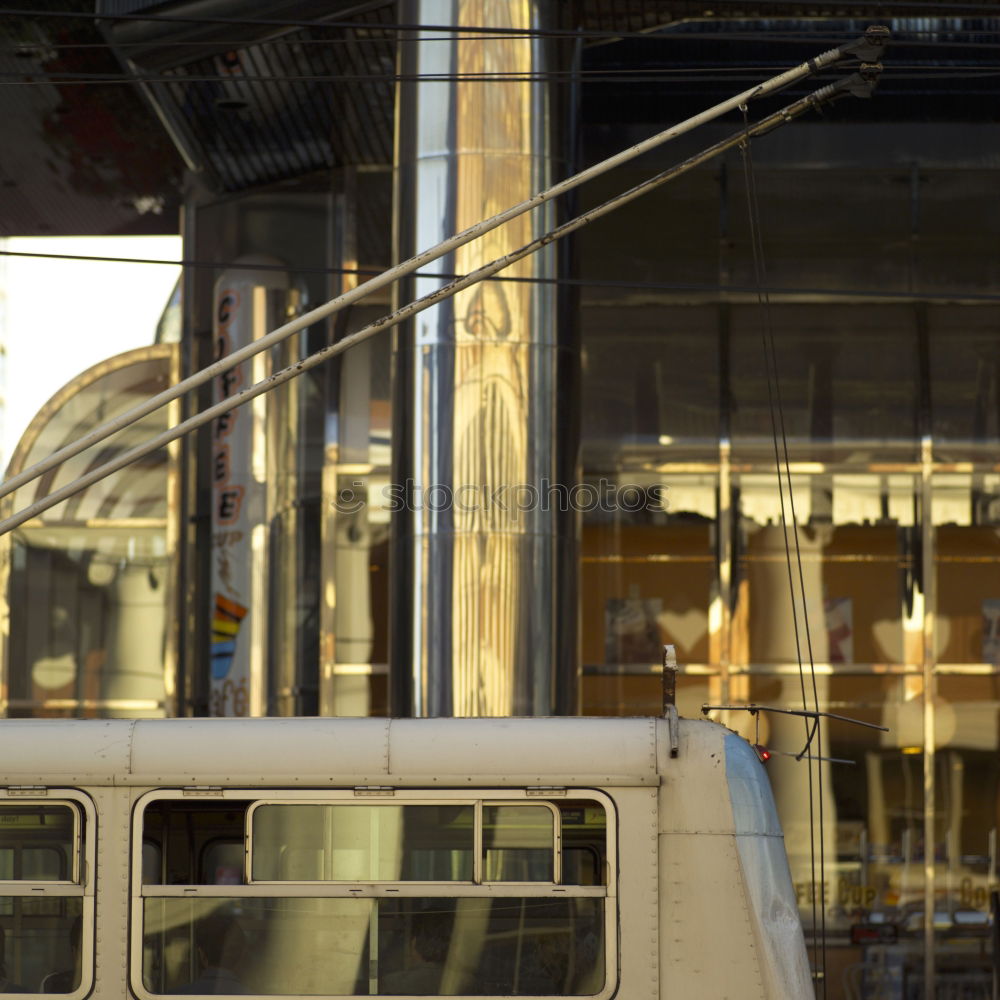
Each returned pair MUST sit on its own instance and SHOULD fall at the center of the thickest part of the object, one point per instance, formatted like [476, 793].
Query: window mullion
[477, 843]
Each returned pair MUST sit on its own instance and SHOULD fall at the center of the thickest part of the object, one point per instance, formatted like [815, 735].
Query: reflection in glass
[858, 568]
[584, 843]
[37, 842]
[187, 842]
[966, 511]
[965, 382]
[277, 946]
[648, 573]
[362, 843]
[633, 394]
[848, 380]
[355, 523]
[88, 582]
[491, 947]
[40, 944]
[421, 946]
[967, 807]
[518, 844]
[873, 808]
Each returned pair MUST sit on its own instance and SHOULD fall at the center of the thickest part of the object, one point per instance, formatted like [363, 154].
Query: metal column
[485, 406]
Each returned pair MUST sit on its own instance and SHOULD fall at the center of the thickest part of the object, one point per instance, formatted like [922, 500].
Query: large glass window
[891, 411]
[966, 510]
[847, 379]
[964, 367]
[46, 899]
[967, 808]
[443, 895]
[857, 549]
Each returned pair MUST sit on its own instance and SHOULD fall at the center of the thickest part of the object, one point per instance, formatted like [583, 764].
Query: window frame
[379, 889]
[83, 869]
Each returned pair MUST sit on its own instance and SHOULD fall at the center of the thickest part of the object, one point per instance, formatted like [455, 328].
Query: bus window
[38, 842]
[331, 909]
[183, 842]
[152, 863]
[310, 842]
[41, 944]
[519, 843]
[222, 862]
[584, 843]
[510, 945]
[268, 946]
[42, 848]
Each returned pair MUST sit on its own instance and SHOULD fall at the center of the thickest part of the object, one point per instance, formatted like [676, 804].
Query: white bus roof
[327, 752]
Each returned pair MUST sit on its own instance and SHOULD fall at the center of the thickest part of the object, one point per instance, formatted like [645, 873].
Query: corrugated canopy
[135, 493]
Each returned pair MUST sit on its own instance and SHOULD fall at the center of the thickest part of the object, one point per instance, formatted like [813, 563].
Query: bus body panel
[765, 873]
[63, 752]
[330, 752]
[700, 901]
[640, 927]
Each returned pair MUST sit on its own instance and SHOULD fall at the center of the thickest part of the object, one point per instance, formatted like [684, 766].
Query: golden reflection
[494, 168]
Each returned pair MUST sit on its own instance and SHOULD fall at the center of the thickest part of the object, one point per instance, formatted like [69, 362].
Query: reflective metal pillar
[485, 408]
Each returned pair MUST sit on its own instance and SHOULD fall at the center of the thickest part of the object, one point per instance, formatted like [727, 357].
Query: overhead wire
[661, 31]
[857, 293]
[713, 74]
[783, 465]
[859, 10]
[908, 38]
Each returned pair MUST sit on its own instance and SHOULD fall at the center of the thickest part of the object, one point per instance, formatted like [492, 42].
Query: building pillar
[485, 391]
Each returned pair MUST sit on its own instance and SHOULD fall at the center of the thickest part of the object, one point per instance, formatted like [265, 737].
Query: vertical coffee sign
[248, 302]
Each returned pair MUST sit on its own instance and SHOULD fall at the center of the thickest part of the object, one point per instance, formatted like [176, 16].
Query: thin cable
[18, 79]
[802, 586]
[385, 27]
[876, 9]
[856, 294]
[774, 405]
[817, 732]
[706, 73]
[645, 75]
[817, 726]
[904, 37]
